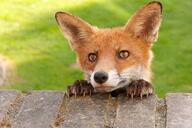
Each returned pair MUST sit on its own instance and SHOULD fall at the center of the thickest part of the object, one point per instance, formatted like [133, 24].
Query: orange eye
[123, 54]
[92, 57]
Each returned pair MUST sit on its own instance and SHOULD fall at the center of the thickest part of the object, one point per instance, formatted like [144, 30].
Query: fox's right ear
[74, 29]
[145, 23]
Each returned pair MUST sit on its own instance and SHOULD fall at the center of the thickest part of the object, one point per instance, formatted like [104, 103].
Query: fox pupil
[123, 54]
[92, 57]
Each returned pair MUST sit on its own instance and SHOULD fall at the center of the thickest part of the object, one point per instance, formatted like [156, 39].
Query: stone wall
[52, 109]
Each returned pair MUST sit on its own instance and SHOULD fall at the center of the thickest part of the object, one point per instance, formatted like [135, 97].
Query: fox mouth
[121, 84]
[104, 88]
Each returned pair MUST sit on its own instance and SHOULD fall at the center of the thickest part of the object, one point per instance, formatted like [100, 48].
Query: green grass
[30, 37]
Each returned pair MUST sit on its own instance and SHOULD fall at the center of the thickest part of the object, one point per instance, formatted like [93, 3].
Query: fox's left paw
[139, 88]
[80, 87]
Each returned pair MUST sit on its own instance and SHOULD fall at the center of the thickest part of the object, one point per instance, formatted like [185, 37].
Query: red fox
[114, 58]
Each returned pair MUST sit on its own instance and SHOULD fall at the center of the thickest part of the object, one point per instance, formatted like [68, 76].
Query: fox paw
[80, 87]
[139, 88]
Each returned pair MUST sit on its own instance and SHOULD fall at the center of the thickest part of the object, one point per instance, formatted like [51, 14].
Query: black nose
[100, 77]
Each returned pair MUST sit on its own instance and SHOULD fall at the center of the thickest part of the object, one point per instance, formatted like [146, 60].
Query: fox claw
[66, 94]
[90, 92]
[139, 88]
[80, 87]
[75, 95]
[132, 96]
[84, 94]
[141, 96]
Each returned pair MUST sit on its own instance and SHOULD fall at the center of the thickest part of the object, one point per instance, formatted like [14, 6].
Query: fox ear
[145, 22]
[73, 27]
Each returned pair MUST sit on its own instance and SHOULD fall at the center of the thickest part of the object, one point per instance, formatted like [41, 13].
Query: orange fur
[108, 42]
[136, 37]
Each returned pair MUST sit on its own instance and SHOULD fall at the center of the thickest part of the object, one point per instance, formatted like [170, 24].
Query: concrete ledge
[51, 109]
[179, 110]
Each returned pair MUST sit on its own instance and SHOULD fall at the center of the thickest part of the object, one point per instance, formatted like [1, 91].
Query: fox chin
[113, 58]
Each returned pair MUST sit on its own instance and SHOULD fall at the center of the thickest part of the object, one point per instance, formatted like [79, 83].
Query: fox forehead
[108, 39]
[107, 43]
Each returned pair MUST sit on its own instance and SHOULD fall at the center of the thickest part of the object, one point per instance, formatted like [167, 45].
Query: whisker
[115, 77]
[130, 73]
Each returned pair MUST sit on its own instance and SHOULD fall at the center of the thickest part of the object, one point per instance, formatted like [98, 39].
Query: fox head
[113, 57]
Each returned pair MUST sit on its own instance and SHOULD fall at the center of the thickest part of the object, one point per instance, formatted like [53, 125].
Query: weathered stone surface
[6, 98]
[179, 110]
[86, 112]
[49, 109]
[39, 109]
[161, 111]
[136, 113]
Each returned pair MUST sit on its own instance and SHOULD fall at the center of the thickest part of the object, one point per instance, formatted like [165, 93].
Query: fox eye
[92, 57]
[123, 54]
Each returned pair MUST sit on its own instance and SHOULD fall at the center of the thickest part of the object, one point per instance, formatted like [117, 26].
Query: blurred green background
[30, 37]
